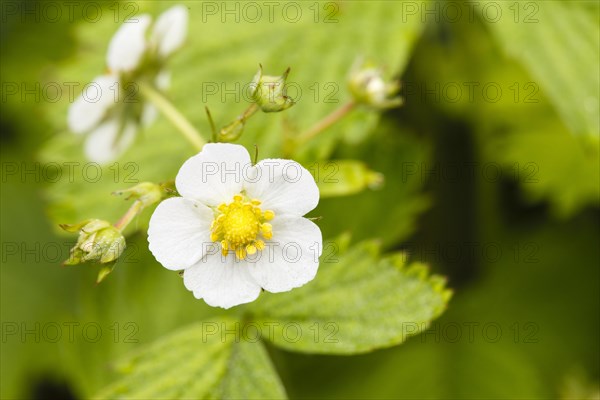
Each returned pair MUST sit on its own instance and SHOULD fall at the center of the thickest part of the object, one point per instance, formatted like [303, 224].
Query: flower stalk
[131, 213]
[173, 115]
[297, 141]
[326, 122]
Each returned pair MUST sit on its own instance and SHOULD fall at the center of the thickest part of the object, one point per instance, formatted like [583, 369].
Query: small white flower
[113, 114]
[376, 89]
[128, 45]
[88, 110]
[238, 227]
[368, 87]
[170, 30]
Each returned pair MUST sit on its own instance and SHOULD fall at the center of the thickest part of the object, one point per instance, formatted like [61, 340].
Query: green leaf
[344, 177]
[343, 310]
[558, 43]
[212, 69]
[551, 164]
[531, 135]
[205, 360]
[521, 134]
[250, 374]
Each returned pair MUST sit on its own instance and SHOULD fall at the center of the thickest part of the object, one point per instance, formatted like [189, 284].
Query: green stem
[325, 123]
[134, 210]
[292, 143]
[242, 118]
[177, 119]
[250, 111]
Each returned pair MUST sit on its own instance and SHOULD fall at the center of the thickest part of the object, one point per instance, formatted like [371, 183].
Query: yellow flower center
[240, 227]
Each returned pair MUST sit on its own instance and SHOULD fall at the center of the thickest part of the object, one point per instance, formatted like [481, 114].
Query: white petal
[163, 80]
[128, 44]
[283, 186]
[105, 143]
[179, 233]
[149, 114]
[221, 281]
[214, 175]
[91, 106]
[376, 89]
[291, 259]
[170, 30]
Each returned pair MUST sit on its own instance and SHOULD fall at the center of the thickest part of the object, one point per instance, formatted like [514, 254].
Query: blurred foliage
[211, 367]
[548, 33]
[513, 119]
[542, 291]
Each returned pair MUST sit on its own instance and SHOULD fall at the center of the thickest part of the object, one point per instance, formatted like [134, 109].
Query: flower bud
[147, 193]
[367, 86]
[98, 241]
[269, 92]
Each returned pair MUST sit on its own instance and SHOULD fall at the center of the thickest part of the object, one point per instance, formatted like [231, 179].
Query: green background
[517, 238]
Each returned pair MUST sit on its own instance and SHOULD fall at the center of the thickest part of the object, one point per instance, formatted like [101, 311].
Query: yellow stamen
[267, 230]
[239, 225]
[240, 253]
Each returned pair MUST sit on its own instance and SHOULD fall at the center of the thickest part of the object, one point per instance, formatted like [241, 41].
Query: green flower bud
[368, 87]
[147, 193]
[98, 241]
[269, 92]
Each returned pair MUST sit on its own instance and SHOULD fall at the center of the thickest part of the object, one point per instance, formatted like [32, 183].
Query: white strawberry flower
[238, 228]
[110, 111]
[368, 86]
